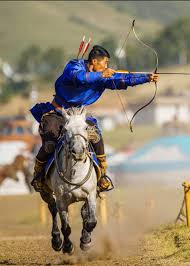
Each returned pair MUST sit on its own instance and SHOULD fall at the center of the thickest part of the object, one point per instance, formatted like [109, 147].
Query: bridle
[68, 155]
[80, 135]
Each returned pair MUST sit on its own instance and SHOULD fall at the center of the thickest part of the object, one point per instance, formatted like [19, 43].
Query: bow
[155, 71]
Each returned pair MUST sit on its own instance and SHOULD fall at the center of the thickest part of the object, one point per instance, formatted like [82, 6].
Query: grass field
[122, 137]
[63, 23]
[60, 24]
[169, 245]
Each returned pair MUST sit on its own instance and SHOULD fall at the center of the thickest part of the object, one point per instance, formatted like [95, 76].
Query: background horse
[20, 163]
[10, 170]
[77, 182]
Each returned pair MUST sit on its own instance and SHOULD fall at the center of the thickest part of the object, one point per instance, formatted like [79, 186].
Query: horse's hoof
[85, 246]
[56, 244]
[69, 248]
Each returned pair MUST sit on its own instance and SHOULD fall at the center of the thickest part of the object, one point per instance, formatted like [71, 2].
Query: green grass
[170, 243]
[63, 23]
[121, 137]
[160, 11]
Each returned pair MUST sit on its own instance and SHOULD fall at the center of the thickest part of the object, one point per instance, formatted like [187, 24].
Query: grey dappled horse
[73, 179]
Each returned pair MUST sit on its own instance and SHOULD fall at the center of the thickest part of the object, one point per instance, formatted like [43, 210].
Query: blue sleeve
[121, 81]
[81, 77]
[117, 81]
[76, 72]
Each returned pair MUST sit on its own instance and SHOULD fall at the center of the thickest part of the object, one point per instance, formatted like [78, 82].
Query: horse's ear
[65, 114]
[83, 111]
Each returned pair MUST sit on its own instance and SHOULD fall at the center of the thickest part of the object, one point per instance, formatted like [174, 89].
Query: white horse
[76, 182]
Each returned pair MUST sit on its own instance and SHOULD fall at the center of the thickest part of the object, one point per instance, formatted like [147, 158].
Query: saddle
[59, 147]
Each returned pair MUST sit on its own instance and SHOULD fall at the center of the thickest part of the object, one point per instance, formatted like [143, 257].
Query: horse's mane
[76, 110]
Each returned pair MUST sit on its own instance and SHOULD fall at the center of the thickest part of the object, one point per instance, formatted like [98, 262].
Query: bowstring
[132, 28]
[116, 91]
[146, 45]
[155, 71]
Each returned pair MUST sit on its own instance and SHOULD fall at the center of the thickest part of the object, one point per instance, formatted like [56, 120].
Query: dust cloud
[133, 209]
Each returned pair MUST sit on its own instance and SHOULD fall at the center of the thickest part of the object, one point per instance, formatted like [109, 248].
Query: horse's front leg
[88, 213]
[65, 227]
[56, 239]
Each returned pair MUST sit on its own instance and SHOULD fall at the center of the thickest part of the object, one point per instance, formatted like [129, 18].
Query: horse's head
[76, 135]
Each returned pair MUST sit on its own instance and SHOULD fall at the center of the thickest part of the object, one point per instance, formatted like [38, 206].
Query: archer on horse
[81, 83]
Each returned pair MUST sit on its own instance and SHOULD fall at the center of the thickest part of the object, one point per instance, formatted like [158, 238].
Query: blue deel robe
[78, 87]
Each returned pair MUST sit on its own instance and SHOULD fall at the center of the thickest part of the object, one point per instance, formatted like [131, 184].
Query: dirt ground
[132, 214]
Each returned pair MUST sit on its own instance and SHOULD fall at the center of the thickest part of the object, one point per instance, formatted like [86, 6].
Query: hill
[62, 23]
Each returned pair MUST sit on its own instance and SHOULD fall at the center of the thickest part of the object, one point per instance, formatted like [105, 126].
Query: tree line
[33, 66]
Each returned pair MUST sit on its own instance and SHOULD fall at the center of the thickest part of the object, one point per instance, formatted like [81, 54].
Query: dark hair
[97, 52]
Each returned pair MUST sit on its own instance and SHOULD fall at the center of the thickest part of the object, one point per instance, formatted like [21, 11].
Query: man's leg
[98, 146]
[50, 129]
[40, 162]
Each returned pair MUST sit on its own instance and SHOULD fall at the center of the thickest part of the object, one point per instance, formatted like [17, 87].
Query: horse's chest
[70, 194]
[78, 194]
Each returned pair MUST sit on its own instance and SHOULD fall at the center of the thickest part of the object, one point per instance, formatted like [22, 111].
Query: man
[82, 83]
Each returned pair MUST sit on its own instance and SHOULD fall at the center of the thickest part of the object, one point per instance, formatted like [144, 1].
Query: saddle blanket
[59, 147]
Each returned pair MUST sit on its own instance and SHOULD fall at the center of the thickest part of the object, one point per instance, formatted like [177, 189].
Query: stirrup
[109, 188]
[112, 185]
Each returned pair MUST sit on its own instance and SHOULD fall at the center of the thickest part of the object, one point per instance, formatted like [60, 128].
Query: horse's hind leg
[88, 213]
[55, 233]
[65, 228]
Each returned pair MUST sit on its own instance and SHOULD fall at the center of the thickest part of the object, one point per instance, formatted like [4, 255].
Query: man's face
[100, 64]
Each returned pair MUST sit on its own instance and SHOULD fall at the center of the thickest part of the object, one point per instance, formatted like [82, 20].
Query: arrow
[86, 47]
[81, 46]
[160, 73]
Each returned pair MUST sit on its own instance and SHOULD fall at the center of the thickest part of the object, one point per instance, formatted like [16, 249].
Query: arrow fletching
[81, 46]
[86, 47]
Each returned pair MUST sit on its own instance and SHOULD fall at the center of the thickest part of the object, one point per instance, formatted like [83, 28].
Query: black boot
[38, 173]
